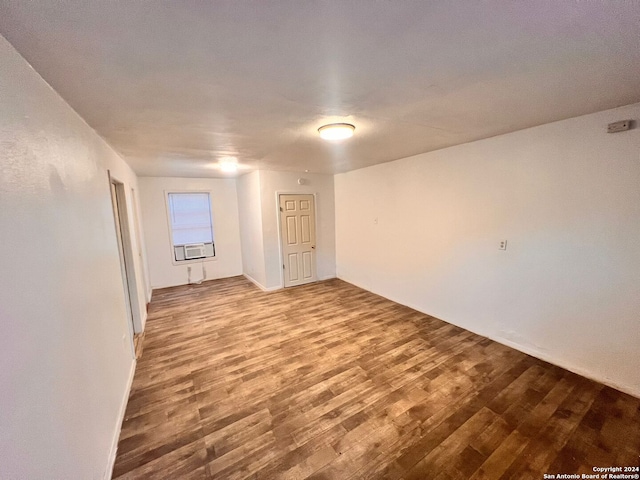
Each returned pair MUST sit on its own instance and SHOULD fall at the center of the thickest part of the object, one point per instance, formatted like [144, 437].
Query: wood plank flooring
[328, 381]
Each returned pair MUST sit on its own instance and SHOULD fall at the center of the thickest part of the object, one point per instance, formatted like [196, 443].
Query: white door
[298, 234]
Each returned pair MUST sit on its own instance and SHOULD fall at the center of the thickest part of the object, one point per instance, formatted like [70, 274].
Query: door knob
[313, 246]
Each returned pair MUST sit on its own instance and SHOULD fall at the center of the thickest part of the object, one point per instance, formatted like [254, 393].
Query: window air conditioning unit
[195, 250]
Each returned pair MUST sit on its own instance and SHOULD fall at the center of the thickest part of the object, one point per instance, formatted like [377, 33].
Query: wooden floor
[328, 381]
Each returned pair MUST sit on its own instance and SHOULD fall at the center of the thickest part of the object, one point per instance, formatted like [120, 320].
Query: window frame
[170, 229]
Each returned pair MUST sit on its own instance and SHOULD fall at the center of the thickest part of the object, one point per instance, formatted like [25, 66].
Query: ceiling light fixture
[336, 131]
[228, 164]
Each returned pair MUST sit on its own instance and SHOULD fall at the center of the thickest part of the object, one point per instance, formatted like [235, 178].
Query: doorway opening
[125, 251]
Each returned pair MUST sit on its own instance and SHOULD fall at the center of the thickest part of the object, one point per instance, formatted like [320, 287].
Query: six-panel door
[298, 228]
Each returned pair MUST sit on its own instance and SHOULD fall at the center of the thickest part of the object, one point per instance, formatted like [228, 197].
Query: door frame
[129, 284]
[279, 224]
[137, 228]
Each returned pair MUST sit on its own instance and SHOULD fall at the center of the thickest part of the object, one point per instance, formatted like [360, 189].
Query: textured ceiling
[174, 86]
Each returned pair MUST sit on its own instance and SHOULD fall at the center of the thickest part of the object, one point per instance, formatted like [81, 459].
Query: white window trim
[167, 211]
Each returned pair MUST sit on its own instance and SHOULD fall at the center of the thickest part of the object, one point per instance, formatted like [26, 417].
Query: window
[191, 226]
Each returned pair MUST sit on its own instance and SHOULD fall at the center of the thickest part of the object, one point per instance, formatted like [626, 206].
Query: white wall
[565, 195]
[250, 211]
[65, 354]
[273, 183]
[226, 230]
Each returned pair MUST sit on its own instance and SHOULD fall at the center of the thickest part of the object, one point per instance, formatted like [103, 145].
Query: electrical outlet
[503, 245]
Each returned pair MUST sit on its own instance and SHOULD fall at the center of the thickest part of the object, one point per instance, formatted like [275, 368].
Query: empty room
[339, 239]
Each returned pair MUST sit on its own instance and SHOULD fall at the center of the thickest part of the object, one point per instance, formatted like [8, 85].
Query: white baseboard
[182, 283]
[259, 285]
[563, 364]
[143, 320]
[327, 277]
[529, 350]
[272, 289]
[123, 408]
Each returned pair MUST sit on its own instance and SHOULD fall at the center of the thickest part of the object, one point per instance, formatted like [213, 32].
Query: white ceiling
[175, 85]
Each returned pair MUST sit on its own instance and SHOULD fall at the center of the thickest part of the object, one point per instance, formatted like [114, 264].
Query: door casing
[125, 251]
[281, 238]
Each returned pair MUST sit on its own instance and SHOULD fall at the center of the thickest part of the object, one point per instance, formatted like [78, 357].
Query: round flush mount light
[336, 131]
[228, 164]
